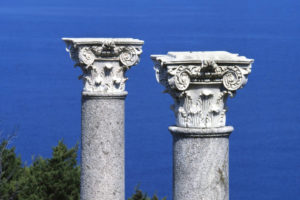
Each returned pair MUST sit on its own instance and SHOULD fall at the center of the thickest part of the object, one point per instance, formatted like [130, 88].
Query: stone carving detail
[200, 108]
[200, 88]
[85, 56]
[130, 56]
[104, 65]
[233, 78]
[181, 76]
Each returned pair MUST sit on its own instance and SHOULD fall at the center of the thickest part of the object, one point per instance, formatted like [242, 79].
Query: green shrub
[55, 178]
[139, 195]
[11, 172]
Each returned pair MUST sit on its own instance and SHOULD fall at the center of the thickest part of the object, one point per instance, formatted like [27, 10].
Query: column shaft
[200, 168]
[200, 163]
[102, 153]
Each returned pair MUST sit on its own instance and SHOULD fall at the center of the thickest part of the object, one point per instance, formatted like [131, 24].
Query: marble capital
[200, 83]
[104, 62]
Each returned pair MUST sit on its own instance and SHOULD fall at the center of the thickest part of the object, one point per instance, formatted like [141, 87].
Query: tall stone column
[104, 62]
[200, 83]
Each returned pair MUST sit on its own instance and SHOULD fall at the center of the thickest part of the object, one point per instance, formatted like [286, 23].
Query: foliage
[10, 172]
[55, 178]
[139, 195]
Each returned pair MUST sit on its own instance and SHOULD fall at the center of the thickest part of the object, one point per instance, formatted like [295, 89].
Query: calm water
[40, 92]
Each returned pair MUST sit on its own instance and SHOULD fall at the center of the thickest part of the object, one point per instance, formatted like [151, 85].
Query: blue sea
[41, 95]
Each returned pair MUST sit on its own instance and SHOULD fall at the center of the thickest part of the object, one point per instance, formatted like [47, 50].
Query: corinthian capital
[104, 61]
[200, 83]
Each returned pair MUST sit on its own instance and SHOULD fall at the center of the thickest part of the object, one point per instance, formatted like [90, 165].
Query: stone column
[200, 83]
[104, 62]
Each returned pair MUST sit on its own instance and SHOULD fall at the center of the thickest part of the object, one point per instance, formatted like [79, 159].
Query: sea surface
[41, 95]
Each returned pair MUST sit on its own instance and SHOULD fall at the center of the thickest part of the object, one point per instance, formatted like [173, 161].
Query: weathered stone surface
[104, 62]
[200, 168]
[102, 158]
[200, 163]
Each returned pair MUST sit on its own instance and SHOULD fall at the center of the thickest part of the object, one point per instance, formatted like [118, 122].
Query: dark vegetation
[55, 178]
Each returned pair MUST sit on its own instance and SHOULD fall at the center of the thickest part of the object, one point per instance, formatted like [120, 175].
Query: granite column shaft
[102, 147]
[200, 163]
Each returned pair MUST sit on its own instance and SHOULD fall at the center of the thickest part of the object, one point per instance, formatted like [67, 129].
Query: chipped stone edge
[119, 95]
[201, 132]
[93, 41]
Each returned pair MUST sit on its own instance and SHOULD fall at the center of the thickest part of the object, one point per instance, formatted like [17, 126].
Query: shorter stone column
[200, 83]
[104, 62]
